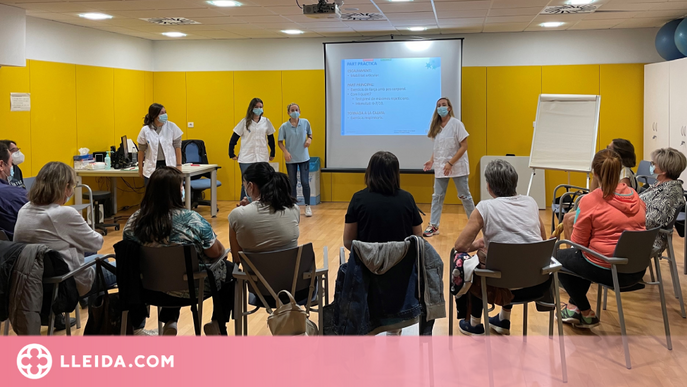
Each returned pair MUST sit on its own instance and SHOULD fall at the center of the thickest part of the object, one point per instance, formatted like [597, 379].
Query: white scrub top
[254, 140]
[168, 133]
[446, 144]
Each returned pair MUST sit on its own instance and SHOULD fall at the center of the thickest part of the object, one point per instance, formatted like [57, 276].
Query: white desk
[187, 170]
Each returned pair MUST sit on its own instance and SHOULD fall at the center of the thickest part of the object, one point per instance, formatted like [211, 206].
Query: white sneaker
[308, 211]
[170, 329]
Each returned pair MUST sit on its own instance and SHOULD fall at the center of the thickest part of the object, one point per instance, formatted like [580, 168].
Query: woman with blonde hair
[449, 160]
[600, 219]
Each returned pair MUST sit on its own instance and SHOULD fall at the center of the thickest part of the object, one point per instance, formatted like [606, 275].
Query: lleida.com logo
[34, 361]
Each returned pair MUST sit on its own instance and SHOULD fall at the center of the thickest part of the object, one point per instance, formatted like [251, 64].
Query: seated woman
[601, 217]
[382, 212]
[509, 218]
[666, 195]
[270, 221]
[45, 219]
[163, 221]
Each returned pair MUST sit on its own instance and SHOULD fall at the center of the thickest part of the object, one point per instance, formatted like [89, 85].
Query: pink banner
[337, 361]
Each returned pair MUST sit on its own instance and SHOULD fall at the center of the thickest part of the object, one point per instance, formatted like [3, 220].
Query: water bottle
[108, 161]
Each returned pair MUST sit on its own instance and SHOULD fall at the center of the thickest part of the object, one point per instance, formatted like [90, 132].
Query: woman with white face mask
[256, 133]
[449, 160]
[16, 177]
[159, 142]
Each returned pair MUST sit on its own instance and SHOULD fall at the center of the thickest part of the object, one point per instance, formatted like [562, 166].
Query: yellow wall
[82, 106]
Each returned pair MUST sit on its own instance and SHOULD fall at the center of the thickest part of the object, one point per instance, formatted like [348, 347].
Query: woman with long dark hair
[163, 221]
[159, 142]
[270, 221]
[256, 133]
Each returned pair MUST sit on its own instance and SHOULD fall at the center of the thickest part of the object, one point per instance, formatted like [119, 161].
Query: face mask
[442, 111]
[17, 158]
[295, 115]
[183, 195]
[257, 111]
[162, 117]
[652, 171]
[12, 172]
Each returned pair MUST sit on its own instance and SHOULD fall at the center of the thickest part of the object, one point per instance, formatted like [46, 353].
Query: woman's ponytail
[274, 187]
[607, 166]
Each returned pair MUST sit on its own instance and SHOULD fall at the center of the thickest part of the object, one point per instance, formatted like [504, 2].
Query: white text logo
[34, 361]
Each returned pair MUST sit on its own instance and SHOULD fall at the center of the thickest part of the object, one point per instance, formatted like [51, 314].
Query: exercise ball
[681, 37]
[665, 41]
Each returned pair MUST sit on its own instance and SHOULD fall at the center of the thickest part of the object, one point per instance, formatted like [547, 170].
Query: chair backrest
[520, 264]
[163, 268]
[636, 247]
[192, 153]
[643, 171]
[28, 182]
[278, 268]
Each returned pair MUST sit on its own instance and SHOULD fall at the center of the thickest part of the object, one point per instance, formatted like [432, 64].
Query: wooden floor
[325, 228]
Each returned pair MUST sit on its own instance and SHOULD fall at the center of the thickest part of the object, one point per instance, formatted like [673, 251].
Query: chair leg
[676, 276]
[320, 312]
[450, 314]
[6, 330]
[51, 318]
[651, 273]
[599, 294]
[621, 317]
[78, 316]
[524, 320]
[551, 318]
[125, 320]
[201, 298]
[159, 322]
[605, 297]
[68, 323]
[561, 341]
[245, 308]
[666, 324]
[485, 306]
[238, 310]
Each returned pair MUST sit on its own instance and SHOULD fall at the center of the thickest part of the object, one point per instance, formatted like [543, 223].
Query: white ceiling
[266, 18]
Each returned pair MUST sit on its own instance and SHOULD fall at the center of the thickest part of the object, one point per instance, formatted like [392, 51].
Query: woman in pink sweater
[601, 217]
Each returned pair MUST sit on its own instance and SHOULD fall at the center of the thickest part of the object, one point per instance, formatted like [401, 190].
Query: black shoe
[59, 322]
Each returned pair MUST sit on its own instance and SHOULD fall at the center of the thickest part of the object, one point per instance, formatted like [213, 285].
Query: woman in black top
[382, 212]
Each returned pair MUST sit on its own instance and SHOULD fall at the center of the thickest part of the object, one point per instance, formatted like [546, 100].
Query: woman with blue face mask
[449, 160]
[16, 177]
[159, 142]
[297, 135]
[256, 133]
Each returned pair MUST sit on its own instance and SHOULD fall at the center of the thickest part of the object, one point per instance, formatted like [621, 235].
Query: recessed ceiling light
[417, 29]
[95, 16]
[222, 3]
[174, 34]
[580, 2]
[552, 24]
[292, 32]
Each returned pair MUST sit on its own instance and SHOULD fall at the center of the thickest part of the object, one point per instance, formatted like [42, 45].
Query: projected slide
[389, 97]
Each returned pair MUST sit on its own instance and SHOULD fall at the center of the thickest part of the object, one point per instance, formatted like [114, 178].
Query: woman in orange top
[601, 217]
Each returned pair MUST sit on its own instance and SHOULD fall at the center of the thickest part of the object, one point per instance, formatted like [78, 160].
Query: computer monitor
[125, 148]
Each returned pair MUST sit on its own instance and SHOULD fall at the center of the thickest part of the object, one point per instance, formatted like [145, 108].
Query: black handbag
[104, 311]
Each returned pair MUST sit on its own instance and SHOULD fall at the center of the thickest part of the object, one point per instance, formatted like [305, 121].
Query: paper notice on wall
[20, 102]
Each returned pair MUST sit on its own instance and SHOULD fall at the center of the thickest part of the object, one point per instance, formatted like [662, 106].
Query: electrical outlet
[190, 124]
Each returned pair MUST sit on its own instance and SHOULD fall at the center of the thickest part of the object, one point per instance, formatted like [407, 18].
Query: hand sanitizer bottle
[108, 161]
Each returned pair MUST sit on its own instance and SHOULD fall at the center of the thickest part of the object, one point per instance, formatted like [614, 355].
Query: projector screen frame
[457, 109]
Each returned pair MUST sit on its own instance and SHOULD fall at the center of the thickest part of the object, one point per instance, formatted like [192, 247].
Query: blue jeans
[243, 167]
[292, 170]
[440, 186]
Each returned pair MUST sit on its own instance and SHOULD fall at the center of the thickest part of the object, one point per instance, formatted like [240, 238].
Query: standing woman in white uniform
[159, 142]
[256, 133]
[450, 161]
